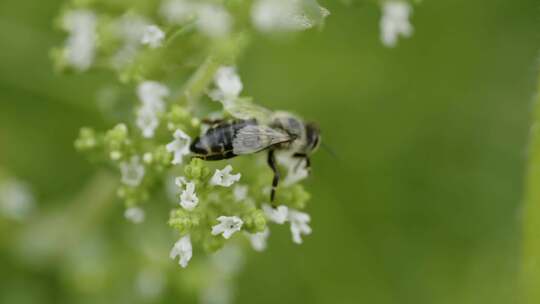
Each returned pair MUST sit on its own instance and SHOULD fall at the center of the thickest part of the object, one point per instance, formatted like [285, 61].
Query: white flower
[153, 36]
[147, 121]
[135, 215]
[227, 226]
[299, 225]
[182, 249]
[240, 192]
[129, 29]
[179, 146]
[278, 215]
[296, 168]
[258, 240]
[395, 22]
[152, 94]
[178, 11]
[283, 15]
[213, 20]
[81, 43]
[188, 198]
[16, 199]
[228, 85]
[132, 172]
[224, 177]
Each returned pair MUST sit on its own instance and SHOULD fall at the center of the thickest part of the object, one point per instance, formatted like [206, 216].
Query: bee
[254, 129]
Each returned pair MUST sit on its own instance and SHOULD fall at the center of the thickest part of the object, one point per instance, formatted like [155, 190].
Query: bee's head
[313, 137]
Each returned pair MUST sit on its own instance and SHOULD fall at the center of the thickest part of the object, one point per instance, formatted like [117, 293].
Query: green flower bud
[255, 221]
[184, 221]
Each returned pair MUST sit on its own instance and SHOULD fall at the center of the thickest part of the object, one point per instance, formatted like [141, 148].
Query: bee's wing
[255, 138]
[247, 110]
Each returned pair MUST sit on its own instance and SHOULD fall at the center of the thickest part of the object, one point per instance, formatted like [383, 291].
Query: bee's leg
[275, 180]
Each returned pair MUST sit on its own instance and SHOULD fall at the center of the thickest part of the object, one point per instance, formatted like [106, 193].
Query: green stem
[531, 226]
[199, 81]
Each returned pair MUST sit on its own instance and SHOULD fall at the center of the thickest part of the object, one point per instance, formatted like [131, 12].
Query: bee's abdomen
[217, 142]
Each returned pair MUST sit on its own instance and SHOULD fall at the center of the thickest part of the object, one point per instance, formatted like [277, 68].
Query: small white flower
[258, 240]
[227, 226]
[240, 193]
[135, 215]
[16, 199]
[180, 181]
[224, 177]
[278, 215]
[182, 249]
[153, 36]
[129, 29]
[179, 146]
[213, 20]
[299, 225]
[152, 94]
[296, 169]
[81, 43]
[228, 85]
[147, 121]
[132, 172]
[283, 15]
[188, 198]
[395, 22]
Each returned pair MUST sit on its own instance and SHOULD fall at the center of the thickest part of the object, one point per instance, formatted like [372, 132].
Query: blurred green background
[422, 204]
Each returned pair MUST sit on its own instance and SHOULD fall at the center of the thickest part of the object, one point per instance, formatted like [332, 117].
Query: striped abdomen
[217, 142]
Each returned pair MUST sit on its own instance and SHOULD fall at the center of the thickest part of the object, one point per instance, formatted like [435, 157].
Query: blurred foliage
[422, 204]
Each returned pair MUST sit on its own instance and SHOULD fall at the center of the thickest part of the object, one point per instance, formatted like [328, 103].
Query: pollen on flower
[224, 177]
[227, 226]
[395, 22]
[153, 36]
[182, 249]
[179, 146]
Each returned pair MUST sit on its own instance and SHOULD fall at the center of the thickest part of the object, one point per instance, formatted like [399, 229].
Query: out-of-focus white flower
[277, 215]
[299, 225]
[153, 36]
[152, 95]
[214, 20]
[188, 198]
[179, 146]
[129, 29]
[227, 226]
[81, 43]
[132, 172]
[240, 193]
[182, 249]
[224, 177]
[178, 11]
[135, 215]
[296, 168]
[16, 199]
[284, 15]
[258, 240]
[395, 22]
[228, 85]
[147, 121]
[229, 260]
[150, 283]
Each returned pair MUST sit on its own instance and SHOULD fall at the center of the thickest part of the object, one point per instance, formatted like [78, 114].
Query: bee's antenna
[329, 150]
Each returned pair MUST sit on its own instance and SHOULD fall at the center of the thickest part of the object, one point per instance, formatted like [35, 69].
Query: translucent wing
[255, 138]
[246, 110]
